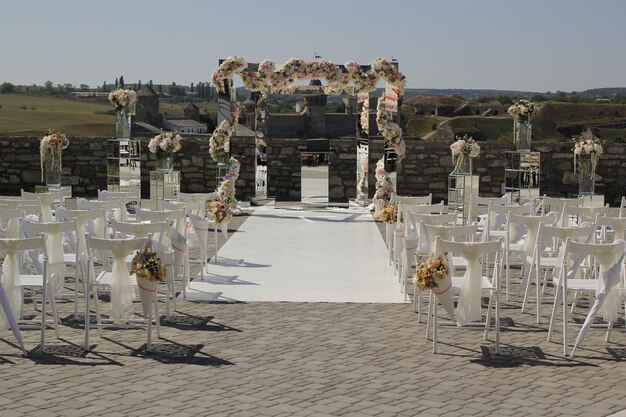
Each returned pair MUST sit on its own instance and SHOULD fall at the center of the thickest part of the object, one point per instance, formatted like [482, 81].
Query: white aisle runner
[302, 256]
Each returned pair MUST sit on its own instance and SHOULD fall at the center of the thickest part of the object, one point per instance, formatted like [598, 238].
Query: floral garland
[365, 116]
[226, 190]
[522, 110]
[219, 211]
[362, 177]
[272, 79]
[390, 130]
[384, 186]
[220, 139]
[587, 145]
[48, 144]
[463, 147]
[124, 100]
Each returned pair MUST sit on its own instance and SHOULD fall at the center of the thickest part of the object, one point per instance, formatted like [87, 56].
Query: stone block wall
[342, 170]
[284, 169]
[424, 170]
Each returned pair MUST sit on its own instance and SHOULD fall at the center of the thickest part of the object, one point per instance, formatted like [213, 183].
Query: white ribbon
[179, 244]
[10, 276]
[469, 308]
[121, 288]
[56, 261]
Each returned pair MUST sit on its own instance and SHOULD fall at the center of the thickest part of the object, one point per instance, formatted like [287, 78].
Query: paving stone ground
[311, 359]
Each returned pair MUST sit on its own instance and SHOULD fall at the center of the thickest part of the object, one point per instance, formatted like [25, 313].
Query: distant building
[185, 126]
[147, 107]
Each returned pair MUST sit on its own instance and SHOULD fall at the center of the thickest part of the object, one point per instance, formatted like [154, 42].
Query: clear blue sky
[535, 45]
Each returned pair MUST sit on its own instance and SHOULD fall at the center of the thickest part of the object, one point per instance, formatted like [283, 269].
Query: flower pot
[53, 167]
[147, 294]
[443, 292]
[522, 132]
[122, 125]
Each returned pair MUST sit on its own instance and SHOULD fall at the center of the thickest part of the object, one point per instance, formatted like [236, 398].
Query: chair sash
[469, 306]
[179, 244]
[121, 287]
[607, 296]
[10, 276]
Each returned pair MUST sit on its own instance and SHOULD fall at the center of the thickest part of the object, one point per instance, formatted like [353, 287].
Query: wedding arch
[269, 78]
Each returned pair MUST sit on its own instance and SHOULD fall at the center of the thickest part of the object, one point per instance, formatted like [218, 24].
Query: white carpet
[301, 256]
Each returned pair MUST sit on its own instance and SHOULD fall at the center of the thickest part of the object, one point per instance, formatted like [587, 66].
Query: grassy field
[28, 115]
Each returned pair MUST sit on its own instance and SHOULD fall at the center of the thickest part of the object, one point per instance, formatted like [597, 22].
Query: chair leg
[435, 323]
[96, 303]
[157, 318]
[431, 297]
[55, 315]
[553, 313]
[87, 314]
[565, 326]
[488, 318]
[608, 333]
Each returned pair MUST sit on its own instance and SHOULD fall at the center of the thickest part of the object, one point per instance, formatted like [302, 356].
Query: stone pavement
[311, 359]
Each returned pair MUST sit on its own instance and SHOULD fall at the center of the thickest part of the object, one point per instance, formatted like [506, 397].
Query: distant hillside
[553, 121]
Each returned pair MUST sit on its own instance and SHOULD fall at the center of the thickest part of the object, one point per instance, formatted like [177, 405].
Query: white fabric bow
[10, 276]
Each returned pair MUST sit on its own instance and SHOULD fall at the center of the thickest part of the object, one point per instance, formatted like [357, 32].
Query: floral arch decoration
[351, 78]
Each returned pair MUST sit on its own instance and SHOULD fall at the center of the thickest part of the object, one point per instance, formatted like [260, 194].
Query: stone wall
[342, 170]
[284, 170]
[340, 124]
[424, 170]
[287, 125]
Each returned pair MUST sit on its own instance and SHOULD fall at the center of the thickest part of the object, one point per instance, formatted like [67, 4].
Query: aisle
[304, 256]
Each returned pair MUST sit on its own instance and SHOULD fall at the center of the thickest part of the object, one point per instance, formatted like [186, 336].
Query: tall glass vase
[53, 167]
[586, 175]
[165, 160]
[122, 125]
[462, 165]
[522, 132]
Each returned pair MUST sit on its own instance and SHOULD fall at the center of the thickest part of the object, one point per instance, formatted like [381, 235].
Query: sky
[529, 45]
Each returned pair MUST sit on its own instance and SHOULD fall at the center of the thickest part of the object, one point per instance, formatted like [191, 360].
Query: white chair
[479, 205]
[156, 231]
[558, 205]
[519, 242]
[57, 259]
[622, 208]
[121, 286]
[479, 276]
[198, 238]
[447, 232]
[199, 198]
[548, 255]
[45, 200]
[11, 281]
[180, 214]
[413, 200]
[609, 259]
[10, 222]
[126, 200]
[496, 218]
[615, 225]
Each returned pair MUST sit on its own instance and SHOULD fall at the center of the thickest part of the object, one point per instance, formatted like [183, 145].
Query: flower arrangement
[522, 110]
[389, 213]
[50, 146]
[431, 273]
[390, 130]
[219, 211]
[463, 147]
[272, 78]
[219, 143]
[587, 145]
[164, 144]
[124, 100]
[146, 265]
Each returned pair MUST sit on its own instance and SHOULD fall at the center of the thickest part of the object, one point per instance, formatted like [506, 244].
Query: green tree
[122, 81]
[7, 88]
[84, 87]
[176, 90]
[49, 86]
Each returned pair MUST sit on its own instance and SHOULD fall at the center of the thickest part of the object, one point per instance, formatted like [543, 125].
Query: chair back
[140, 230]
[10, 222]
[453, 233]
[617, 224]
[479, 205]
[578, 214]
[199, 198]
[426, 199]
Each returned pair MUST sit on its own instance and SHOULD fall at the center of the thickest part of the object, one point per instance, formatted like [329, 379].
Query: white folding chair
[558, 205]
[519, 242]
[10, 222]
[198, 238]
[199, 198]
[430, 234]
[126, 200]
[11, 281]
[57, 259]
[479, 205]
[45, 201]
[121, 285]
[605, 283]
[479, 276]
